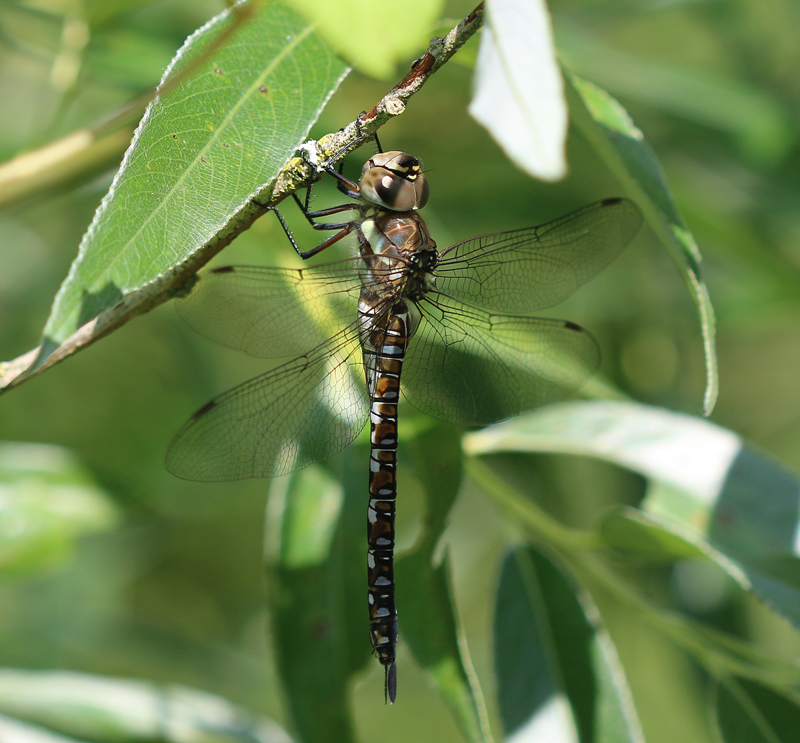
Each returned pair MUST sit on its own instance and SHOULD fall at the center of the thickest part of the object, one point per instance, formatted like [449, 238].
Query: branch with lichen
[332, 147]
[298, 172]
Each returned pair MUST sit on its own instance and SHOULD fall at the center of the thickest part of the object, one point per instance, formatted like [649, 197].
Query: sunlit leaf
[47, 502]
[373, 37]
[558, 674]
[715, 485]
[638, 536]
[114, 710]
[610, 130]
[519, 91]
[14, 731]
[199, 154]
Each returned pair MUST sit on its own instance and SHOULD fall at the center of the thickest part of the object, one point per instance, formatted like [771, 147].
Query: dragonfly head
[394, 180]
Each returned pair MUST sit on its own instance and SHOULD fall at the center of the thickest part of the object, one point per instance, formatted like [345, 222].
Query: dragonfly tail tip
[390, 683]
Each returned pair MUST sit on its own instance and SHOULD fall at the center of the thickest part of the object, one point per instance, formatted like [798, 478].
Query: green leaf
[371, 36]
[610, 130]
[641, 538]
[429, 626]
[747, 712]
[47, 502]
[703, 479]
[428, 621]
[113, 710]
[635, 535]
[558, 674]
[519, 91]
[201, 151]
[14, 731]
[318, 592]
[436, 455]
[715, 484]
[777, 582]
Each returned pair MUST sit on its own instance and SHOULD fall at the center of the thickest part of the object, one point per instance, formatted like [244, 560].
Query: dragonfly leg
[345, 228]
[378, 142]
[327, 243]
[361, 137]
[345, 185]
[311, 215]
[357, 142]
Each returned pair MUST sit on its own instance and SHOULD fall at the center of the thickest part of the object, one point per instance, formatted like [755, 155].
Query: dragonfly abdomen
[384, 351]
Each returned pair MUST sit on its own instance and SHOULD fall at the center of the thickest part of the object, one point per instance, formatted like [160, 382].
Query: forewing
[272, 312]
[306, 410]
[527, 270]
[471, 367]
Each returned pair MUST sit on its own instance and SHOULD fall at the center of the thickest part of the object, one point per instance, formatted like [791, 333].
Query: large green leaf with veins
[234, 110]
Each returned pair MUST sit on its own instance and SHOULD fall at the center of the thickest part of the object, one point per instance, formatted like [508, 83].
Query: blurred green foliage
[176, 591]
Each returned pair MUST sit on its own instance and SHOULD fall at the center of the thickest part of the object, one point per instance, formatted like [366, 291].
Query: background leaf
[122, 710]
[747, 712]
[316, 560]
[425, 602]
[715, 490]
[14, 731]
[715, 99]
[609, 128]
[368, 34]
[557, 672]
[47, 502]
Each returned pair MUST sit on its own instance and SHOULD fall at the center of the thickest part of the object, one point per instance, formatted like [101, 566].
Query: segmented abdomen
[384, 350]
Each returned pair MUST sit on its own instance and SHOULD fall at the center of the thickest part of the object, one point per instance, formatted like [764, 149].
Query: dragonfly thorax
[394, 180]
[399, 254]
[420, 277]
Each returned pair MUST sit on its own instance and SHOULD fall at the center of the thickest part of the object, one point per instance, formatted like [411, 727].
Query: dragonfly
[452, 330]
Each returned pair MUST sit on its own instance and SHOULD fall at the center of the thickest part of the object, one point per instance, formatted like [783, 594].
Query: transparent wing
[523, 271]
[473, 367]
[272, 312]
[306, 410]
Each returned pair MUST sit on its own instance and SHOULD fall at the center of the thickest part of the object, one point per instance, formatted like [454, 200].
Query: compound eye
[395, 191]
[421, 191]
